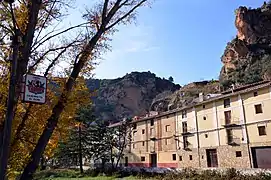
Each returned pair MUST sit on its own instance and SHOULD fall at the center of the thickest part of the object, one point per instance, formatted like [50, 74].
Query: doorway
[153, 160]
[211, 158]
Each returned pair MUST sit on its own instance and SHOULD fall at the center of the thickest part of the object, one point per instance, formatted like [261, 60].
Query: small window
[174, 157]
[167, 128]
[255, 93]
[204, 117]
[202, 157]
[167, 117]
[152, 122]
[227, 103]
[180, 158]
[134, 126]
[142, 158]
[190, 157]
[203, 106]
[238, 154]
[143, 143]
[261, 130]
[184, 114]
[258, 109]
[206, 135]
[134, 146]
[143, 131]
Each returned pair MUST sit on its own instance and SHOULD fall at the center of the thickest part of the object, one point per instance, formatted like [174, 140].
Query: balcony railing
[233, 122]
[187, 145]
[187, 131]
[233, 140]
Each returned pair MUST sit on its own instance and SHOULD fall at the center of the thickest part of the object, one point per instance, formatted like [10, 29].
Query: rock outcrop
[247, 58]
[139, 93]
[186, 95]
[128, 96]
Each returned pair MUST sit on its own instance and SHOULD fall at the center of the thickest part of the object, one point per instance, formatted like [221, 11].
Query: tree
[171, 79]
[37, 47]
[103, 18]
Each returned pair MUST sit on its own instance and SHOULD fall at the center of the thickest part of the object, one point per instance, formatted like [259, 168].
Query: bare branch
[126, 15]
[104, 10]
[45, 21]
[52, 36]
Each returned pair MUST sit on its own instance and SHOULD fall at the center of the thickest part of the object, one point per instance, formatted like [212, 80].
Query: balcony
[233, 122]
[188, 131]
[233, 140]
[187, 146]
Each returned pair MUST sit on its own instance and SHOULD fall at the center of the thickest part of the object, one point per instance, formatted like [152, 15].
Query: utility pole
[12, 98]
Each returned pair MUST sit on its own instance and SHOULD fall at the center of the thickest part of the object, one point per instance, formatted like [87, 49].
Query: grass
[95, 178]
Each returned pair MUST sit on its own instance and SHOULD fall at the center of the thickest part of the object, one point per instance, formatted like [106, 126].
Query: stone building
[232, 129]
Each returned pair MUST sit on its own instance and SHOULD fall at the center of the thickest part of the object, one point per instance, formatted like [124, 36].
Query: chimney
[201, 97]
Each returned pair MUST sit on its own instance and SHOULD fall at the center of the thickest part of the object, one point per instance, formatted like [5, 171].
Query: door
[261, 157]
[211, 158]
[153, 159]
[184, 127]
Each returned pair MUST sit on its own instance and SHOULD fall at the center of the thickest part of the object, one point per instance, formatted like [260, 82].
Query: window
[142, 158]
[152, 122]
[238, 154]
[184, 114]
[255, 93]
[227, 103]
[134, 146]
[204, 117]
[206, 135]
[174, 157]
[143, 131]
[227, 115]
[143, 143]
[134, 126]
[190, 157]
[185, 142]
[167, 141]
[167, 117]
[167, 128]
[258, 109]
[203, 106]
[261, 130]
[180, 158]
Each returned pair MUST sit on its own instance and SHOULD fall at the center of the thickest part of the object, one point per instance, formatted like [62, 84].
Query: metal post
[11, 105]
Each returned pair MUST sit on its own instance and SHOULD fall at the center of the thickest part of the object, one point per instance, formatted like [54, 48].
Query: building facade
[232, 129]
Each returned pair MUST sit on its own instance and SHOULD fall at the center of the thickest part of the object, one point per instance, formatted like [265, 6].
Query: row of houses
[232, 129]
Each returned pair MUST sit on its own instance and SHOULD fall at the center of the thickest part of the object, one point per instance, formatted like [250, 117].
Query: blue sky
[180, 38]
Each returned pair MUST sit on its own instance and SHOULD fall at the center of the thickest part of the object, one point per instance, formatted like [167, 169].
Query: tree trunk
[57, 110]
[80, 151]
[11, 107]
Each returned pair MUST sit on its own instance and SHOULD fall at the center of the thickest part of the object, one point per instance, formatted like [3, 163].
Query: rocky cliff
[138, 93]
[247, 58]
[128, 96]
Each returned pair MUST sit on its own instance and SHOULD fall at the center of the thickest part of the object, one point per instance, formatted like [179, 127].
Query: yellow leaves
[37, 119]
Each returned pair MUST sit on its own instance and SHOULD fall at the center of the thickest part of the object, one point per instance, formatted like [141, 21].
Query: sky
[180, 38]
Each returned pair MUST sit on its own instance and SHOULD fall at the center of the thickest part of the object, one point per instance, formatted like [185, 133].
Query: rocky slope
[127, 96]
[247, 58]
[138, 93]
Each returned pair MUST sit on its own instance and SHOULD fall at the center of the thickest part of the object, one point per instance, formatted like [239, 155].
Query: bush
[57, 173]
